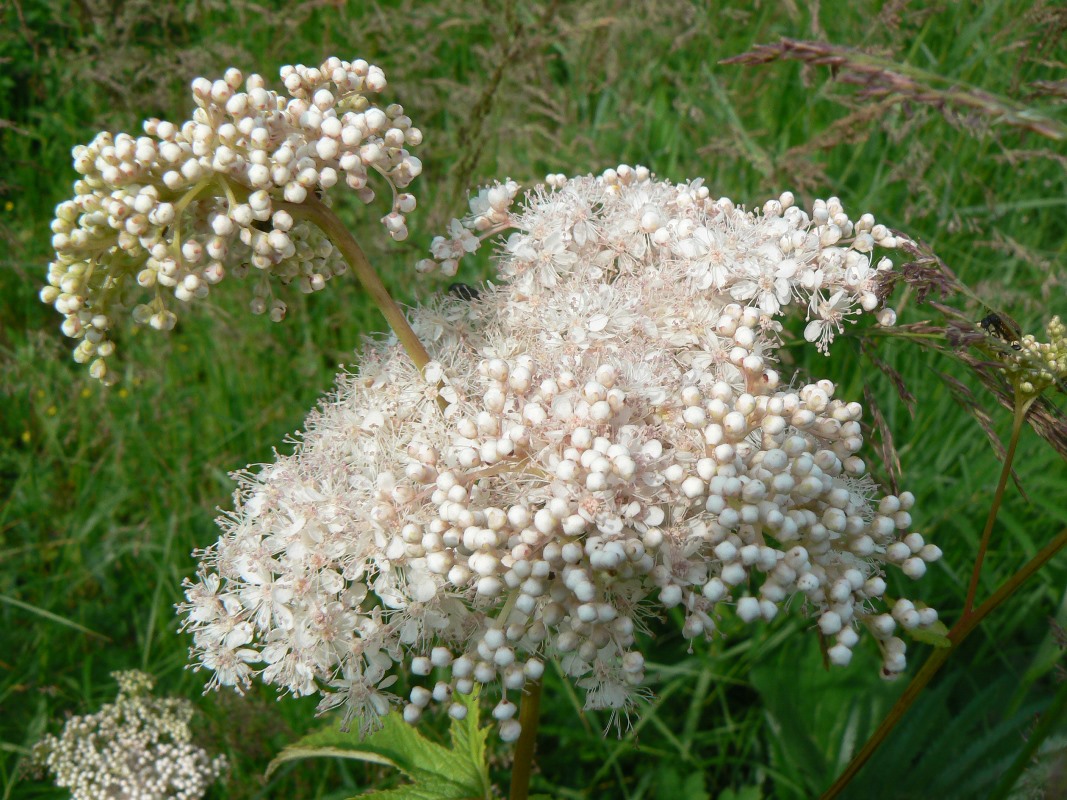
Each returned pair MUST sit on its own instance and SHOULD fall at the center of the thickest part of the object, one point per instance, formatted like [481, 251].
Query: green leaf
[936, 635]
[955, 742]
[435, 772]
[686, 784]
[817, 717]
[468, 743]
[46, 614]
[418, 791]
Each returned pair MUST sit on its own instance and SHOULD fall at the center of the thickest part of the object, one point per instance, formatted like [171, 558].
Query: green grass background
[104, 493]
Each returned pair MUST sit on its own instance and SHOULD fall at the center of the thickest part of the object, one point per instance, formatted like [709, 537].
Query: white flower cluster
[490, 213]
[616, 442]
[175, 210]
[137, 747]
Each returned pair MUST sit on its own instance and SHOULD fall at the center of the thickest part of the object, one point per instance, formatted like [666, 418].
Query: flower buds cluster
[175, 210]
[139, 746]
[489, 214]
[1034, 365]
[617, 442]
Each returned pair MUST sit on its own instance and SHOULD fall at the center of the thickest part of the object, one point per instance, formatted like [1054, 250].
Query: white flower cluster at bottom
[137, 747]
[616, 441]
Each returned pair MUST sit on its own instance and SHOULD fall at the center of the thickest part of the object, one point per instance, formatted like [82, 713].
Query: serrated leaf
[396, 744]
[295, 752]
[435, 772]
[469, 740]
[419, 791]
[817, 717]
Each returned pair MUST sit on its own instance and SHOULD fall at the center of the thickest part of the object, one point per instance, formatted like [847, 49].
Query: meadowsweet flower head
[165, 216]
[617, 442]
[139, 746]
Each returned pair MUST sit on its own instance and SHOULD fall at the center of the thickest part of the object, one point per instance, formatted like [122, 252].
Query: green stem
[529, 712]
[1022, 405]
[201, 187]
[314, 210]
[960, 631]
[970, 618]
[194, 192]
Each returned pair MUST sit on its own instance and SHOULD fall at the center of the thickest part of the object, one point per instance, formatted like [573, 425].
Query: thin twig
[319, 213]
[1022, 405]
[960, 631]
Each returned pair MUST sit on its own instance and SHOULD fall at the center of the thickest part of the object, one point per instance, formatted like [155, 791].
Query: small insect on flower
[1003, 327]
[464, 291]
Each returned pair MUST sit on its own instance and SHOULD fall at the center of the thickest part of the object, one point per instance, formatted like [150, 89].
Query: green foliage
[940, 749]
[104, 494]
[435, 772]
[936, 635]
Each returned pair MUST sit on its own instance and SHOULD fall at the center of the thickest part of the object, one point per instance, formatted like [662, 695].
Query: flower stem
[314, 210]
[1022, 405]
[960, 631]
[970, 618]
[529, 712]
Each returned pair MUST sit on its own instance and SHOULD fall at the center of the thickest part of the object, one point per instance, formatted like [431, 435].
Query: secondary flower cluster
[1036, 366]
[137, 747]
[616, 442]
[175, 210]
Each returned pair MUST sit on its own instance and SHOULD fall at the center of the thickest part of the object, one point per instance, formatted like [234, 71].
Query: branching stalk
[970, 618]
[960, 631]
[319, 213]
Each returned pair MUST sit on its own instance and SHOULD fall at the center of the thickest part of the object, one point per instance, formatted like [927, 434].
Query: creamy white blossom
[616, 441]
[140, 747]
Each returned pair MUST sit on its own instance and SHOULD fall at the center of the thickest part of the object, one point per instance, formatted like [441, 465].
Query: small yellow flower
[52, 411]
[86, 393]
[124, 392]
[1035, 366]
[26, 437]
[8, 206]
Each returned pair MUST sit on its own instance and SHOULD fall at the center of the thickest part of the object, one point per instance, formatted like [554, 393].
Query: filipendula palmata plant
[598, 437]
